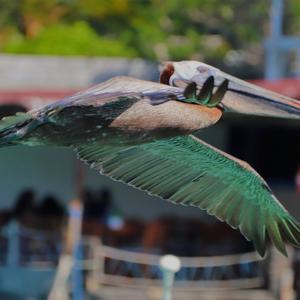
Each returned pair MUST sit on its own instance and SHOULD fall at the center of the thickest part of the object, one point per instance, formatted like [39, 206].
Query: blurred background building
[52, 48]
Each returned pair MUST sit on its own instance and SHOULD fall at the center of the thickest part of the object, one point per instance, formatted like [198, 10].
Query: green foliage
[76, 39]
[153, 29]
[292, 25]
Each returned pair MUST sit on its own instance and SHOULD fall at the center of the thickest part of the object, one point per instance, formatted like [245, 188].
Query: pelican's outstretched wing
[188, 171]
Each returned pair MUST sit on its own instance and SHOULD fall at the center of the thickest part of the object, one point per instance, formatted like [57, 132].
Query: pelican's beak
[241, 96]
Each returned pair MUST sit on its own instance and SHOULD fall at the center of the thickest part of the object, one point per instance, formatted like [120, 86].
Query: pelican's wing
[188, 171]
[110, 90]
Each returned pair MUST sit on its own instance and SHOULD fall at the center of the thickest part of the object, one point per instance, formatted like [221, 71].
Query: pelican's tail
[10, 128]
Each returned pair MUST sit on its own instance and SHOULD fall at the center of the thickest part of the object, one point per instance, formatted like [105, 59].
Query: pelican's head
[241, 97]
[181, 73]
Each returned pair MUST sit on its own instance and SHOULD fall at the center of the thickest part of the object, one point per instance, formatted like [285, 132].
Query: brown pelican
[140, 133]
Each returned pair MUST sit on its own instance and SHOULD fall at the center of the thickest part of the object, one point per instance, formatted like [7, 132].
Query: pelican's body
[110, 116]
[139, 132]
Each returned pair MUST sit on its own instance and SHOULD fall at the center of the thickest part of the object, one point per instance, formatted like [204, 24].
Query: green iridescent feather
[187, 171]
[11, 121]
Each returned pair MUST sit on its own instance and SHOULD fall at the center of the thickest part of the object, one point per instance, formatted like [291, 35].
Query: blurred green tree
[215, 31]
[76, 39]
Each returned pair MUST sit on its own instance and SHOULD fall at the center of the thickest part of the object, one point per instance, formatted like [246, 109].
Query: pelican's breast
[142, 116]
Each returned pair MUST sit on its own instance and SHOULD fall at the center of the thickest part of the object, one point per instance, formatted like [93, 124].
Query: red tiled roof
[32, 98]
[288, 86]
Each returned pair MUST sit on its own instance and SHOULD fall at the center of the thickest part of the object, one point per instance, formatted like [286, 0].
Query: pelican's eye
[203, 69]
[207, 71]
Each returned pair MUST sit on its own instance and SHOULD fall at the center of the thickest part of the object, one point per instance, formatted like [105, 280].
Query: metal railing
[106, 266]
[29, 247]
[127, 268]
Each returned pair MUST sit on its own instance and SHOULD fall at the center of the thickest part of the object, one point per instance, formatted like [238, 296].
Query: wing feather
[186, 170]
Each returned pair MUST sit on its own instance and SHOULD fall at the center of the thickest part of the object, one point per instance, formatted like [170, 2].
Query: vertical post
[74, 226]
[98, 260]
[274, 66]
[277, 9]
[60, 285]
[169, 265]
[68, 262]
[13, 258]
[297, 73]
[74, 244]
[281, 274]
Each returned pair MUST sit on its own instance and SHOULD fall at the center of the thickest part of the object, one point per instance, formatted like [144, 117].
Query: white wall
[47, 170]
[21, 72]
[52, 170]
